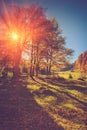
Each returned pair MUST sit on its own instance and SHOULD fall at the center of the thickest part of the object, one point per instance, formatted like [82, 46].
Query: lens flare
[15, 36]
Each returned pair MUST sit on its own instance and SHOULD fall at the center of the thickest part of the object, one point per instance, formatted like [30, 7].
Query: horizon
[71, 16]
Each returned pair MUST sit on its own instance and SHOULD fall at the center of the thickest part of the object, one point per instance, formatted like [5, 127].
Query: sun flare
[15, 36]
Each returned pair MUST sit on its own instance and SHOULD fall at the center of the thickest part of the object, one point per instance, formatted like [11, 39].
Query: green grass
[65, 100]
[78, 95]
[75, 74]
[65, 104]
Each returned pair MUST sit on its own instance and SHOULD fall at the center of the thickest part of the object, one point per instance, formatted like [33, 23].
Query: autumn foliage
[26, 34]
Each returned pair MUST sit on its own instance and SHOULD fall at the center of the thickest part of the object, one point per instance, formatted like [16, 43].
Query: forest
[31, 42]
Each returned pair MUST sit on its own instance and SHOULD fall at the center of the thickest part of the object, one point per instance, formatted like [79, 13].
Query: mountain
[81, 63]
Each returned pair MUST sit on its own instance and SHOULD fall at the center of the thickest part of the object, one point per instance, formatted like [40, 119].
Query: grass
[47, 100]
[78, 95]
[65, 101]
[75, 74]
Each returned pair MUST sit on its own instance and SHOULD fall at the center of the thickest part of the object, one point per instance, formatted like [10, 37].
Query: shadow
[19, 110]
[61, 91]
[71, 85]
[72, 114]
[63, 97]
[67, 84]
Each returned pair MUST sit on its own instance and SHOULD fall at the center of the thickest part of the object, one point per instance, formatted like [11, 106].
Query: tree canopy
[27, 33]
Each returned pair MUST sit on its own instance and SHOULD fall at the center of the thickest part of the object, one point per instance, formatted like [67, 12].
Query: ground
[43, 103]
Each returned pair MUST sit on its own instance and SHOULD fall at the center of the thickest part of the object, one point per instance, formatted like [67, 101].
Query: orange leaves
[26, 23]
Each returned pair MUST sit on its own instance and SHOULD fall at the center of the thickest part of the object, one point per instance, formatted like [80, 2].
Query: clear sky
[72, 18]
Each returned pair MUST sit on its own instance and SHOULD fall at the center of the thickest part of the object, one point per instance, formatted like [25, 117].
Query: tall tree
[24, 26]
[29, 29]
[54, 51]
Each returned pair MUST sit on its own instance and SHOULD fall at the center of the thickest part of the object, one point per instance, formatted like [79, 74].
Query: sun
[14, 36]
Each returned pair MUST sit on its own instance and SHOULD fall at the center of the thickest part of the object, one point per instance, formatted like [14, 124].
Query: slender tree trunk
[17, 61]
[32, 61]
[49, 62]
[47, 67]
[37, 70]
[37, 60]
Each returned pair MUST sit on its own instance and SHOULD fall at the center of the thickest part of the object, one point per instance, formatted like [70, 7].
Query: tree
[24, 27]
[28, 30]
[54, 52]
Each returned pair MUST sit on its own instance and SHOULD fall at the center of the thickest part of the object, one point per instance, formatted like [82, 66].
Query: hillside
[43, 103]
[81, 62]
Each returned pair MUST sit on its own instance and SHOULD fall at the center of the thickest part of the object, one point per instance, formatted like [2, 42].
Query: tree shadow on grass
[19, 110]
[77, 85]
[63, 97]
[61, 91]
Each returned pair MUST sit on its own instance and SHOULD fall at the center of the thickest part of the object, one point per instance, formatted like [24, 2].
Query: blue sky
[72, 18]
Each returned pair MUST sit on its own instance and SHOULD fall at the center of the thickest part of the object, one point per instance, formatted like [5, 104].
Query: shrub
[70, 76]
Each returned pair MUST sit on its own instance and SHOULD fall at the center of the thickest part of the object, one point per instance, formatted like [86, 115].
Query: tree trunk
[37, 60]
[17, 61]
[37, 70]
[32, 62]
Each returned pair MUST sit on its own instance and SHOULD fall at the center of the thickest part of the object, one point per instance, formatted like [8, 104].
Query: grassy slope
[64, 100]
[19, 110]
[43, 102]
[75, 74]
